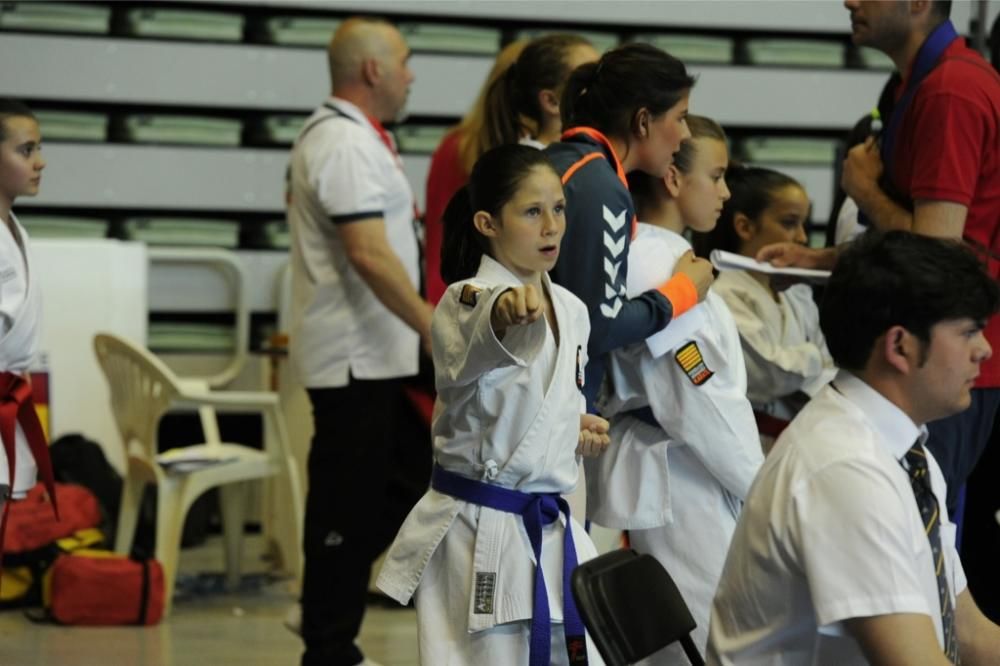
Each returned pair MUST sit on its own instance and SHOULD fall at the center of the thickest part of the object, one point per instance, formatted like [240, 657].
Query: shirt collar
[904, 82]
[493, 272]
[749, 283]
[593, 136]
[656, 230]
[350, 110]
[896, 430]
[353, 112]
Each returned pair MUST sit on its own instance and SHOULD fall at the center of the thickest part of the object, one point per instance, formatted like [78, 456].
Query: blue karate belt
[644, 414]
[536, 510]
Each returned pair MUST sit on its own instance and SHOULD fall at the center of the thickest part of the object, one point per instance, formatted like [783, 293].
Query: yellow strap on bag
[18, 581]
[80, 539]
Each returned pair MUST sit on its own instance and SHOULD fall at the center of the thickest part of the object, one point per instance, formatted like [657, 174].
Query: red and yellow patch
[691, 362]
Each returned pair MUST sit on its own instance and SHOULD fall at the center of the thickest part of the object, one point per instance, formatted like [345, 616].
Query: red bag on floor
[32, 531]
[31, 523]
[94, 587]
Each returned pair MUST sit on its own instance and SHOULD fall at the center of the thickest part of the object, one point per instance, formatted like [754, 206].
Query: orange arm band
[681, 293]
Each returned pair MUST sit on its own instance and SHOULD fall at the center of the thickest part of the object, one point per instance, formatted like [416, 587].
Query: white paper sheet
[728, 261]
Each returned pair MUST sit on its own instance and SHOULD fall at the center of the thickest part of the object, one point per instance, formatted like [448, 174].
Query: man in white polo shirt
[844, 553]
[358, 323]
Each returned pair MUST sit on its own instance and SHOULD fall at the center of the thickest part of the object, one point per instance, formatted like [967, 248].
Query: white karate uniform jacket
[679, 487]
[508, 413]
[783, 345]
[20, 314]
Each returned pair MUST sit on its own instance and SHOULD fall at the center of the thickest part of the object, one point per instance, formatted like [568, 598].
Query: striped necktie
[930, 513]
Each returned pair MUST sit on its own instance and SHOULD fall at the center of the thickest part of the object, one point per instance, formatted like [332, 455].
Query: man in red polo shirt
[937, 173]
[935, 170]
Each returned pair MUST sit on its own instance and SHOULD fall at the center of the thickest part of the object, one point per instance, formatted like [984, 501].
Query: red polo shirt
[948, 149]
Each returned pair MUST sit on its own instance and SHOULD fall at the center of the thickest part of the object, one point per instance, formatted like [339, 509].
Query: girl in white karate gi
[21, 165]
[686, 445]
[786, 355]
[509, 354]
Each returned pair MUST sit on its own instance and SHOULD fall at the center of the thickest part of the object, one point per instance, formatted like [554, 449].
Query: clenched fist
[516, 307]
[593, 436]
[699, 270]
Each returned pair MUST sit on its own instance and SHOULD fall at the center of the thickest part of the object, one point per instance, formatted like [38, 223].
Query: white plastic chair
[142, 389]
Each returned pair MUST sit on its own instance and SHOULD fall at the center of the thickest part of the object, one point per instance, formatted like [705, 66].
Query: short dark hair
[542, 65]
[12, 108]
[607, 94]
[751, 191]
[900, 279]
[647, 190]
[494, 181]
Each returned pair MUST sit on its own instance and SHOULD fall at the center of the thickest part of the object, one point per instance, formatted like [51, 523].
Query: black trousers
[967, 447]
[981, 533]
[958, 441]
[369, 462]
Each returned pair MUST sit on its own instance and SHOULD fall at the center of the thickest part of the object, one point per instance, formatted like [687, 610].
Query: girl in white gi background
[786, 355]
[686, 445]
[23, 450]
[509, 355]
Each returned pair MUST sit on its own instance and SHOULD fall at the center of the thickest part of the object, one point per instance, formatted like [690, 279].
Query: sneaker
[293, 620]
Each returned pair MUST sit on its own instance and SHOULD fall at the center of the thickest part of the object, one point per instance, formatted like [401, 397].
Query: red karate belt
[17, 407]
[769, 425]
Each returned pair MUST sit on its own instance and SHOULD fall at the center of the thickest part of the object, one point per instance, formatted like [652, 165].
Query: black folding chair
[632, 607]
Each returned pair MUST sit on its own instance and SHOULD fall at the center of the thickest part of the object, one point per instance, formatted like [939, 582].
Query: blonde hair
[472, 136]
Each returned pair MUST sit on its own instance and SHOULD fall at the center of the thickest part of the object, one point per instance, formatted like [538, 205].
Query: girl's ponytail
[574, 102]
[462, 247]
[502, 124]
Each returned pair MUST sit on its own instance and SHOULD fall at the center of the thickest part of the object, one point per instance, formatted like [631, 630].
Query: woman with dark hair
[786, 355]
[509, 355]
[623, 113]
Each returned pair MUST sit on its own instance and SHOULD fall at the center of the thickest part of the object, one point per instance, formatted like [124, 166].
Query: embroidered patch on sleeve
[693, 365]
[469, 295]
[485, 588]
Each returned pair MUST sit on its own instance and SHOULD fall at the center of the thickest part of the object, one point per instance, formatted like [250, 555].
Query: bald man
[357, 327]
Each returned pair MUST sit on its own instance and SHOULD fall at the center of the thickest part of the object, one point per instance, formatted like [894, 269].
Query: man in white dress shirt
[844, 553]
[357, 325]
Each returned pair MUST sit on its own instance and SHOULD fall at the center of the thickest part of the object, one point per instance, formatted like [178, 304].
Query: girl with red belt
[24, 452]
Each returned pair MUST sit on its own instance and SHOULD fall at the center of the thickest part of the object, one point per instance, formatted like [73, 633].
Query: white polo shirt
[342, 172]
[830, 531]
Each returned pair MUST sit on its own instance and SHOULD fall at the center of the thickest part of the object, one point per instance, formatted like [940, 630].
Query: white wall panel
[170, 177]
[769, 15]
[109, 70]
